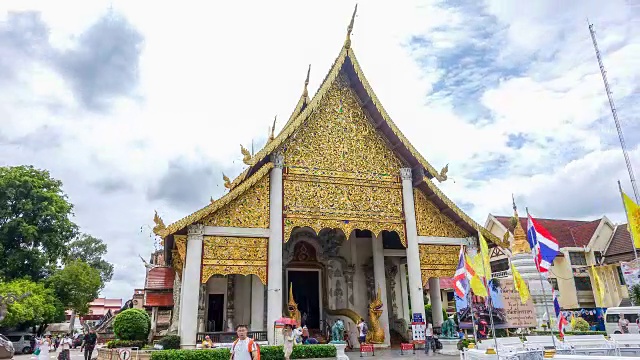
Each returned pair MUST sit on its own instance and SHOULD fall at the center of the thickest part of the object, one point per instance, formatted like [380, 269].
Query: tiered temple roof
[259, 164]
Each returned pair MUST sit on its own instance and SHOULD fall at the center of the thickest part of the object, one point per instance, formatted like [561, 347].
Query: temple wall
[242, 313]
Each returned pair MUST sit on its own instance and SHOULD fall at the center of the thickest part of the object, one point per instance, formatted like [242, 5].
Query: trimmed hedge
[201, 354]
[132, 324]
[115, 344]
[266, 353]
[170, 342]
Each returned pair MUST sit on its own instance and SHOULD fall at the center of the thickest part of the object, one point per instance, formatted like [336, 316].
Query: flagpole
[470, 301]
[633, 243]
[493, 327]
[544, 293]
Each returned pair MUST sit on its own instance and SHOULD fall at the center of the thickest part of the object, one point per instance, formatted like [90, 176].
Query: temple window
[577, 259]
[583, 283]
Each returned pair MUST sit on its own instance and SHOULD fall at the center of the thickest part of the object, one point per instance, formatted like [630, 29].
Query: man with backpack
[244, 348]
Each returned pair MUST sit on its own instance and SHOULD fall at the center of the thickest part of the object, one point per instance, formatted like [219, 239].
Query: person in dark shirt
[90, 339]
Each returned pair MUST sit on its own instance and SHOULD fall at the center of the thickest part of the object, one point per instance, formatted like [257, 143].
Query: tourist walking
[289, 341]
[362, 331]
[65, 345]
[244, 348]
[428, 335]
[89, 341]
[43, 347]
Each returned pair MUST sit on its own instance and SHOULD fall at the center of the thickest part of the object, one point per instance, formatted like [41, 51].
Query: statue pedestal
[340, 346]
[449, 347]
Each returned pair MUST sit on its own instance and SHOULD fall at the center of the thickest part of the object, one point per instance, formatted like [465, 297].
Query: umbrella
[286, 321]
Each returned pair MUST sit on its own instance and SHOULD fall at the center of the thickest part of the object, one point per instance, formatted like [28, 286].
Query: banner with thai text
[631, 272]
[508, 311]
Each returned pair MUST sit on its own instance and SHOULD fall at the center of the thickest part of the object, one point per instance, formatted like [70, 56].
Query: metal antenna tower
[614, 112]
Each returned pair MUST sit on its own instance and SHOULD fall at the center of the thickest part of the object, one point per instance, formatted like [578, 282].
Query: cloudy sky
[137, 107]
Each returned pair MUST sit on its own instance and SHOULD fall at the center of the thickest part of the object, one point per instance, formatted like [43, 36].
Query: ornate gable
[431, 222]
[340, 172]
[249, 210]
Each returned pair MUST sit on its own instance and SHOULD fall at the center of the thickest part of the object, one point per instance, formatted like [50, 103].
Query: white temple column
[404, 293]
[257, 304]
[274, 281]
[381, 283]
[191, 287]
[436, 301]
[413, 251]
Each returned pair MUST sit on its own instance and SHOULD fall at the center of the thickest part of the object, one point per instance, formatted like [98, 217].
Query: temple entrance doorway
[215, 316]
[306, 292]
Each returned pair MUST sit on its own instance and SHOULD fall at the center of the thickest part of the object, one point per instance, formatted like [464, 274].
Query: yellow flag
[573, 321]
[520, 285]
[599, 285]
[633, 214]
[485, 255]
[477, 285]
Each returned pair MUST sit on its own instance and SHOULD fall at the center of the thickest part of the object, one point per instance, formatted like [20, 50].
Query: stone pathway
[395, 354]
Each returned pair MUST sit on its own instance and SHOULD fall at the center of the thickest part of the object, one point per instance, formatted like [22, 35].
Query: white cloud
[461, 83]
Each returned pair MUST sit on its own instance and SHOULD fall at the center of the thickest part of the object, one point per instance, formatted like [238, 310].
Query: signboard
[418, 332]
[507, 309]
[417, 318]
[124, 354]
[631, 272]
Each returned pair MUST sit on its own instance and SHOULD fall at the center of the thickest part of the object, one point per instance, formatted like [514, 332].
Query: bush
[170, 342]
[204, 354]
[114, 344]
[266, 353]
[464, 343]
[428, 314]
[132, 324]
[299, 352]
[581, 325]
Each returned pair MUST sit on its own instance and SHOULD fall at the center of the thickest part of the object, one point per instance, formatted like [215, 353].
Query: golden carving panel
[338, 136]
[181, 246]
[347, 226]
[224, 255]
[438, 261]
[210, 270]
[249, 210]
[431, 222]
[342, 198]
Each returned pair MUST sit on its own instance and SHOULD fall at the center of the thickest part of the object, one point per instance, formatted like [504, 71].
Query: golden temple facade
[338, 203]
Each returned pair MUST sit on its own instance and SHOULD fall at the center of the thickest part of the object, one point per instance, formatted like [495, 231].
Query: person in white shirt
[362, 331]
[428, 334]
[244, 348]
[66, 344]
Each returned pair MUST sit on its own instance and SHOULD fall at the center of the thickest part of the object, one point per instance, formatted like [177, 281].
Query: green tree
[91, 250]
[35, 224]
[40, 306]
[76, 285]
[132, 324]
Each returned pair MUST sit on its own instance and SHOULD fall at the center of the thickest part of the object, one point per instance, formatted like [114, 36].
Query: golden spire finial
[227, 181]
[347, 42]
[305, 92]
[520, 243]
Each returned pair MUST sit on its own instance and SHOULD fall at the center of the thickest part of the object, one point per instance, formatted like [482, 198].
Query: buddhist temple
[337, 217]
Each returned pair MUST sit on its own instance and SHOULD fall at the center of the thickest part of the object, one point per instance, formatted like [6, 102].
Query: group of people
[65, 343]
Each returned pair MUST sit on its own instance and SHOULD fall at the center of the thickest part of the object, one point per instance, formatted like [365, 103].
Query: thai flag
[544, 245]
[461, 282]
[562, 322]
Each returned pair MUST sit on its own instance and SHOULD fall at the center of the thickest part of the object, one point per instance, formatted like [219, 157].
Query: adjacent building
[583, 243]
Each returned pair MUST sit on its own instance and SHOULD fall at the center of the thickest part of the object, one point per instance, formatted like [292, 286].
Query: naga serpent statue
[294, 313]
[375, 335]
